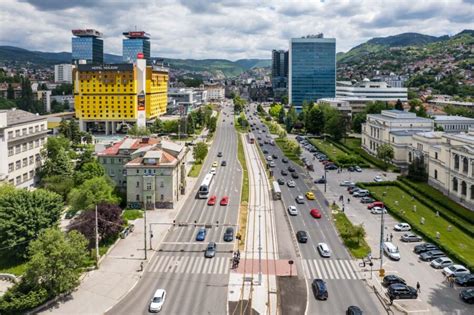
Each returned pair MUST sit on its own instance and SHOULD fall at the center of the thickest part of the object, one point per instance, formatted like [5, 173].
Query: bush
[19, 299]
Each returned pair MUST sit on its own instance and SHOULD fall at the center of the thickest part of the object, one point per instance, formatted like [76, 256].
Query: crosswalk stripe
[223, 267]
[356, 270]
[307, 271]
[343, 268]
[190, 264]
[208, 266]
[216, 265]
[197, 265]
[182, 264]
[349, 269]
[323, 269]
[163, 263]
[328, 269]
[311, 270]
[168, 266]
[159, 260]
[333, 265]
[155, 262]
[318, 272]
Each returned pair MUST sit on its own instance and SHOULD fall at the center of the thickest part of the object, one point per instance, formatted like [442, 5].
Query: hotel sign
[111, 67]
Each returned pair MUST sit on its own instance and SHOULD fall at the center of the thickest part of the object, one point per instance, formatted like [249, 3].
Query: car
[229, 234]
[210, 250]
[269, 158]
[391, 251]
[310, 195]
[431, 255]
[455, 270]
[219, 154]
[324, 250]
[351, 169]
[265, 151]
[215, 164]
[224, 201]
[281, 181]
[212, 201]
[401, 291]
[223, 163]
[299, 199]
[357, 169]
[283, 172]
[403, 226]
[284, 160]
[320, 181]
[467, 295]
[291, 169]
[275, 156]
[354, 310]
[291, 183]
[213, 171]
[441, 263]
[367, 200]
[292, 210]
[376, 204]
[391, 279]
[302, 236]
[295, 175]
[378, 210]
[201, 234]
[346, 183]
[378, 179]
[465, 280]
[260, 144]
[410, 237]
[361, 193]
[265, 141]
[421, 248]
[156, 303]
[271, 164]
[320, 289]
[330, 167]
[352, 190]
[315, 213]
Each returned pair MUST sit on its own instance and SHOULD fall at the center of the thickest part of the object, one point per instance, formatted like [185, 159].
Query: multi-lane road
[195, 284]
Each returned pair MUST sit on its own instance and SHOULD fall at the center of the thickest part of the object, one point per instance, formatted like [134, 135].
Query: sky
[226, 29]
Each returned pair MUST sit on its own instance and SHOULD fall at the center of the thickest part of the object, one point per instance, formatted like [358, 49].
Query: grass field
[288, 153]
[244, 197]
[9, 265]
[132, 214]
[195, 170]
[455, 240]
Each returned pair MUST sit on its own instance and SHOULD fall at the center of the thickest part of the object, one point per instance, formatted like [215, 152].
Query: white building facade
[454, 124]
[215, 92]
[63, 73]
[372, 91]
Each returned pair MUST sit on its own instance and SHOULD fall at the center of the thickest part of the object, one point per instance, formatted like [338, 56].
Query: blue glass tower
[312, 69]
[87, 46]
[136, 42]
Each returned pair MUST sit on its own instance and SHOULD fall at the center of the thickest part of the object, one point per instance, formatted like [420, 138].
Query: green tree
[88, 171]
[334, 125]
[213, 124]
[157, 126]
[59, 184]
[357, 122]
[260, 108]
[399, 105]
[86, 156]
[170, 126]
[23, 215]
[70, 130]
[10, 92]
[414, 104]
[54, 145]
[417, 170]
[282, 116]
[138, 131]
[315, 121]
[359, 232]
[275, 109]
[291, 118]
[284, 99]
[92, 192]
[385, 153]
[190, 125]
[200, 151]
[59, 165]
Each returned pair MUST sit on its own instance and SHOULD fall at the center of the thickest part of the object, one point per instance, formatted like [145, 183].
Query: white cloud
[228, 29]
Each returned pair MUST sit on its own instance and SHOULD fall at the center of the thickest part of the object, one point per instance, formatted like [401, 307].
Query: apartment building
[371, 91]
[215, 92]
[22, 135]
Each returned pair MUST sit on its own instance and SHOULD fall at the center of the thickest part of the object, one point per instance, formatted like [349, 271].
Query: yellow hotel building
[112, 98]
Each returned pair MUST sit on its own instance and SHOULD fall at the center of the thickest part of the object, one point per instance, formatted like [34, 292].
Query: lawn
[288, 153]
[13, 266]
[244, 197]
[336, 154]
[195, 170]
[402, 205]
[132, 214]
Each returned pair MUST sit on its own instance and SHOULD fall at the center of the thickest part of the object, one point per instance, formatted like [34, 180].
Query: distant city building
[63, 99]
[16, 90]
[374, 91]
[395, 81]
[186, 99]
[136, 42]
[349, 105]
[44, 96]
[87, 45]
[441, 102]
[279, 73]
[215, 92]
[23, 137]
[63, 73]
[396, 128]
[112, 98]
[312, 69]
[454, 124]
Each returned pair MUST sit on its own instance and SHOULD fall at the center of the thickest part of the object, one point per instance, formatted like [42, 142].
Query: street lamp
[382, 226]
[325, 178]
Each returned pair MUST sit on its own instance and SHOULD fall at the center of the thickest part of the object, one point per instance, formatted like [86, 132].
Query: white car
[269, 158]
[347, 183]
[378, 210]
[402, 227]
[292, 210]
[441, 263]
[291, 183]
[157, 301]
[213, 171]
[324, 250]
[299, 199]
[455, 270]
[378, 179]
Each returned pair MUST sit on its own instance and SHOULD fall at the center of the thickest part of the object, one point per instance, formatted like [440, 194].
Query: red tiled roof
[114, 149]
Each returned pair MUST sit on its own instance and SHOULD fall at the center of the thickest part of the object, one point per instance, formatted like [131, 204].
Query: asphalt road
[194, 284]
[344, 283]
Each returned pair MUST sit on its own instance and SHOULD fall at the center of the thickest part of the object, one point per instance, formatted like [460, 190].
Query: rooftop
[129, 144]
[409, 132]
[453, 118]
[18, 116]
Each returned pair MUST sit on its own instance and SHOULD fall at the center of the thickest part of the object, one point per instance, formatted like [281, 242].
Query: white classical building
[22, 135]
[454, 124]
[373, 91]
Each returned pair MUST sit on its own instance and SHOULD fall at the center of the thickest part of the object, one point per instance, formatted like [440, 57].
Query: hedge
[340, 159]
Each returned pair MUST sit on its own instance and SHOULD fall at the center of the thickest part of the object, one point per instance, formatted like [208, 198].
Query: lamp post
[382, 226]
[325, 178]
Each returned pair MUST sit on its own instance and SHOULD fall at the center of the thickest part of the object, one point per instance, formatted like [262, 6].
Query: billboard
[141, 101]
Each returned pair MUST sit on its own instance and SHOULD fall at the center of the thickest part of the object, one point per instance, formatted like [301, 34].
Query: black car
[320, 289]
[260, 144]
[354, 310]
[330, 167]
[302, 236]
[431, 255]
[467, 295]
[465, 280]
[320, 181]
[284, 160]
[391, 279]
[283, 172]
[229, 234]
[223, 163]
[295, 175]
[401, 291]
[219, 154]
[424, 248]
[291, 169]
[274, 156]
[281, 181]
[265, 151]
[259, 138]
[351, 169]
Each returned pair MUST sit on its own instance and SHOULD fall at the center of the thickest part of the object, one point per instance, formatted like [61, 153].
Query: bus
[276, 191]
[205, 186]
[251, 138]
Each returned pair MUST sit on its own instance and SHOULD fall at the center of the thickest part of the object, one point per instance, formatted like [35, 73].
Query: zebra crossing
[190, 265]
[335, 269]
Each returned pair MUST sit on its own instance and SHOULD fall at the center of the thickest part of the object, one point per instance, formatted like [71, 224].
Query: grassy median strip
[244, 196]
[353, 236]
[287, 151]
[195, 170]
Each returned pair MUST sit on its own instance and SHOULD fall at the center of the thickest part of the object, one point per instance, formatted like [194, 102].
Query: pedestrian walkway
[334, 269]
[190, 265]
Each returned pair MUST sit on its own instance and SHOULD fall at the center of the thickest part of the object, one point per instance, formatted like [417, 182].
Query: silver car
[299, 199]
[410, 237]
[291, 183]
[324, 250]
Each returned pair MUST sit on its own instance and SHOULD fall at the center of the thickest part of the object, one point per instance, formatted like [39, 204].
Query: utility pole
[144, 232]
[325, 178]
[382, 226]
[96, 238]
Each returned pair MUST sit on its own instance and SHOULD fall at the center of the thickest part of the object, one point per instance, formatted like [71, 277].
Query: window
[30, 130]
[436, 155]
[162, 197]
[11, 168]
[24, 147]
[25, 162]
[148, 186]
[138, 184]
[18, 165]
[465, 165]
[137, 197]
[162, 184]
[456, 162]
[17, 133]
[435, 174]
[36, 128]
[17, 149]
[463, 188]
[10, 135]
[31, 174]
[25, 177]
[409, 157]
[32, 159]
[23, 132]
[455, 184]
[18, 180]
[10, 151]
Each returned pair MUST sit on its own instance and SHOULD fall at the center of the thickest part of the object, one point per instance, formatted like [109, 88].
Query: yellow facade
[111, 95]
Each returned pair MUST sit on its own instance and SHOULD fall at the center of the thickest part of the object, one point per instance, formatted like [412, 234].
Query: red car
[224, 201]
[376, 204]
[315, 213]
[212, 201]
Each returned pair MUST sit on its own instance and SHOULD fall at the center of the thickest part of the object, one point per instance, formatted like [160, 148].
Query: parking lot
[436, 296]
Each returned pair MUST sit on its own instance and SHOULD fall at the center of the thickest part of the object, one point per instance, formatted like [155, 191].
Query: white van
[391, 251]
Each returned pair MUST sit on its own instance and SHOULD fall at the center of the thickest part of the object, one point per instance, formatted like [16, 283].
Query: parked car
[299, 199]
[361, 193]
[357, 169]
[229, 234]
[330, 167]
[353, 190]
[291, 183]
[391, 279]
[401, 291]
[410, 237]
[320, 289]
[351, 169]
[431, 255]
[455, 270]
[376, 204]
[324, 250]
[201, 234]
[378, 210]
[320, 181]
[424, 248]
[403, 226]
[210, 250]
[284, 160]
[346, 183]
[274, 156]
[465, 280]
[291, 169]
[302, 236]
[467, 295]
[441, 263]
[354, 310]
[271, 164]
[315, 213]
[292, 210]
[367, 200]
[156, 303]
[378, 179]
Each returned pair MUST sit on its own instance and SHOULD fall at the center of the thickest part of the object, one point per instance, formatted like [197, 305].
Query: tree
[399, 105]
[315, 121]
[291, 118]
[54, 145]
[385, 153]
[260, 108]
[10, 92]
[213, 124]
[190, 124]
[334, 125]
[275, 109]
[110, 223]
[86, 156]
[414, 103]
[357, 122]
[70, 130]
[421, 112]
[157, 126]
[88, 171]
[92, 192]
[170, 126]
[23, 215]
[359, 232]
[284, 99]
[6, 104]
[138, 131]
[282, 116]
[417, 169]
[200, 151]
[60, 165]
[59, 184]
